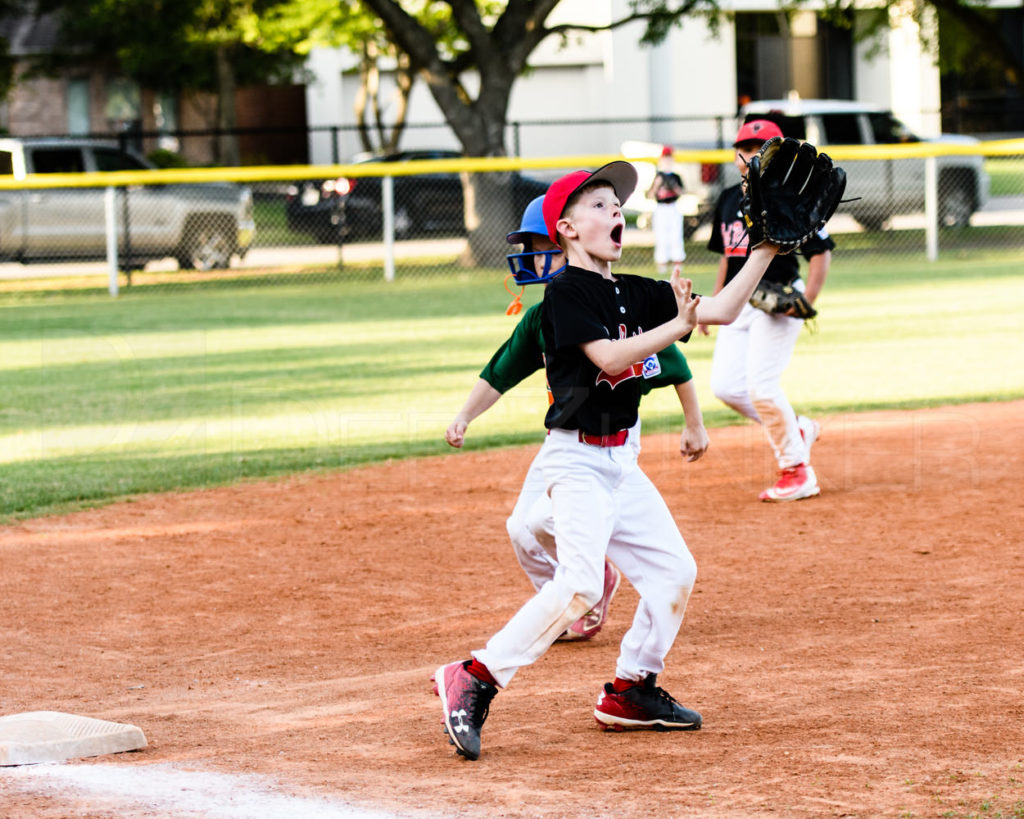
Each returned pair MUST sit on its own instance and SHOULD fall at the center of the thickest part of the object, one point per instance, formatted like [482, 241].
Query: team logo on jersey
[652, 367]
[632, 371]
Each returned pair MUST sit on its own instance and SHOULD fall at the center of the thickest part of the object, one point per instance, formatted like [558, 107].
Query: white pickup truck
[200, 225]
[880, 188]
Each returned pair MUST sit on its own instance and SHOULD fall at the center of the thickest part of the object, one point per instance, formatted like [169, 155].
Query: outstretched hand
[455, 435]
[685, 301]
[694, 442]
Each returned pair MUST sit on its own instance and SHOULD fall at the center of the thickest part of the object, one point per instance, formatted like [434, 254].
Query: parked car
[878, 188]
[342, 209]
[200, 225]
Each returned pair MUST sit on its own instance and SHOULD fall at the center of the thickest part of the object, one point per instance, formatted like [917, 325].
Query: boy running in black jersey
[598, 329]
[520, 356]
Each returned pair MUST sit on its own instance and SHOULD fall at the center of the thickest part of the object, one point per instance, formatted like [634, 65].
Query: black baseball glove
[790, 192]
[773, 297]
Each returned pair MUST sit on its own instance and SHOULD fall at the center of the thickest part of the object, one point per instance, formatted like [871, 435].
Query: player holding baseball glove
[521, 355]
[752, 353]
[598, 328]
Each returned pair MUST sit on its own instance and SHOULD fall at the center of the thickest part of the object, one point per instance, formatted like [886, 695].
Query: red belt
[615, 439]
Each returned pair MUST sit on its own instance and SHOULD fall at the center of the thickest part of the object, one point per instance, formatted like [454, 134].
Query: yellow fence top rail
[279, 173]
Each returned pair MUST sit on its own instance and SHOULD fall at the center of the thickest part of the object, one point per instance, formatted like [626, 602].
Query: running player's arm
[481, 398]
[694, 441]
[817, 270]
[674, 371]
[818, 252]
[519, 357]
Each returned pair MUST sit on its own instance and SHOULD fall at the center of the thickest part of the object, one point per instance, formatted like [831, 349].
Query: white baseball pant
[531, 526]
[746, 373]
[667, 224]
[603, 504]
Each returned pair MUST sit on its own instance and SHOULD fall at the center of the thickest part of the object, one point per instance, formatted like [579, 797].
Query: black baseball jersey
[580, 306]
[522, 355]
[729, 236]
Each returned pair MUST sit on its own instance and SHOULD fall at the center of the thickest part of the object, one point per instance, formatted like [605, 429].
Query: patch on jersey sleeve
[652, 367]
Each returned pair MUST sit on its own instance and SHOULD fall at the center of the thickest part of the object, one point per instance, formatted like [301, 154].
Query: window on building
[165, 116]
[124, 108]
[78, 106]
[776, 54]
[979, 94]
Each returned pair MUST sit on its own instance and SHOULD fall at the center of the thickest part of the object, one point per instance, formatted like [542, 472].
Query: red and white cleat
[795, 483]
[643, 706]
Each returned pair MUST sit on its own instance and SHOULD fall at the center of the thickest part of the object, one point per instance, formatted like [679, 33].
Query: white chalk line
[179, 793]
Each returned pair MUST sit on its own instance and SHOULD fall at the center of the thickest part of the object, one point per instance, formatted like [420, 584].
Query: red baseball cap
[666, 151]
[757, 130]
[620, 174]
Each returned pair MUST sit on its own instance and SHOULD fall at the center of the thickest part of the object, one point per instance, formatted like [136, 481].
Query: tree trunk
[491, 209]
[227, 118]
[367, 65]
[479, 124]
[491, 213]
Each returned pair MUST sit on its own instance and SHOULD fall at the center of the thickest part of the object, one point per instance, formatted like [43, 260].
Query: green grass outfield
[1007, 175]
[204, 385]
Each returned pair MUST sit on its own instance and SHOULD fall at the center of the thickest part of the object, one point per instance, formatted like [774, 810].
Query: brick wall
[37, 107]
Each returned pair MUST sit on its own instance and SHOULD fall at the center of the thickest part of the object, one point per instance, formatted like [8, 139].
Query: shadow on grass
[62, 485]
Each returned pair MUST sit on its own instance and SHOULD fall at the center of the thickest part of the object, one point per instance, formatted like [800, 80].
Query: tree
[350, 24]
[347, 23]
[179, 45]
[969, 32]
[494, 40]
[10, 10]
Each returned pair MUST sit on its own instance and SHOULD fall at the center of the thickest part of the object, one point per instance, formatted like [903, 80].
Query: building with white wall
[684, 91]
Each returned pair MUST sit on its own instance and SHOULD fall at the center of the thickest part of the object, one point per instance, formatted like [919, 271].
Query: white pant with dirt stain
[746, 373]
[532, 514]
[602, 504]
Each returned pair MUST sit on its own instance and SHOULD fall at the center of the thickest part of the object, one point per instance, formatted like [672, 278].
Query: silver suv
[884, 186]
[200, 225]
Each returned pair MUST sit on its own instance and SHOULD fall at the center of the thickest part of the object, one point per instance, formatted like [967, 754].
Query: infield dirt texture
[858, 654]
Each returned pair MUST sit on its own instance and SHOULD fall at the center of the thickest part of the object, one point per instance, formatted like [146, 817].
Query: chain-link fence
[91, 212]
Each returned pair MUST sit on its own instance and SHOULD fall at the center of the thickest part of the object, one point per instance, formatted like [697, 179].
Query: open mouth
[617, 234]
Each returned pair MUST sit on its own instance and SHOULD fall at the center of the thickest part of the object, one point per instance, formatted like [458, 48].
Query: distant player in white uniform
[667, 221]
[752, 353]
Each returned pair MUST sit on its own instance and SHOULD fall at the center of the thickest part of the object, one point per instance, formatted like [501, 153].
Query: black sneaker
[644, 705]
[466, 701]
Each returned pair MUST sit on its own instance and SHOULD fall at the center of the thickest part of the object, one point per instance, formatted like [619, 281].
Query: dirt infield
[858, 654]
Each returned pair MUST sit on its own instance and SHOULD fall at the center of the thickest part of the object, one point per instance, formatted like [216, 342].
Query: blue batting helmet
[524, 265]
